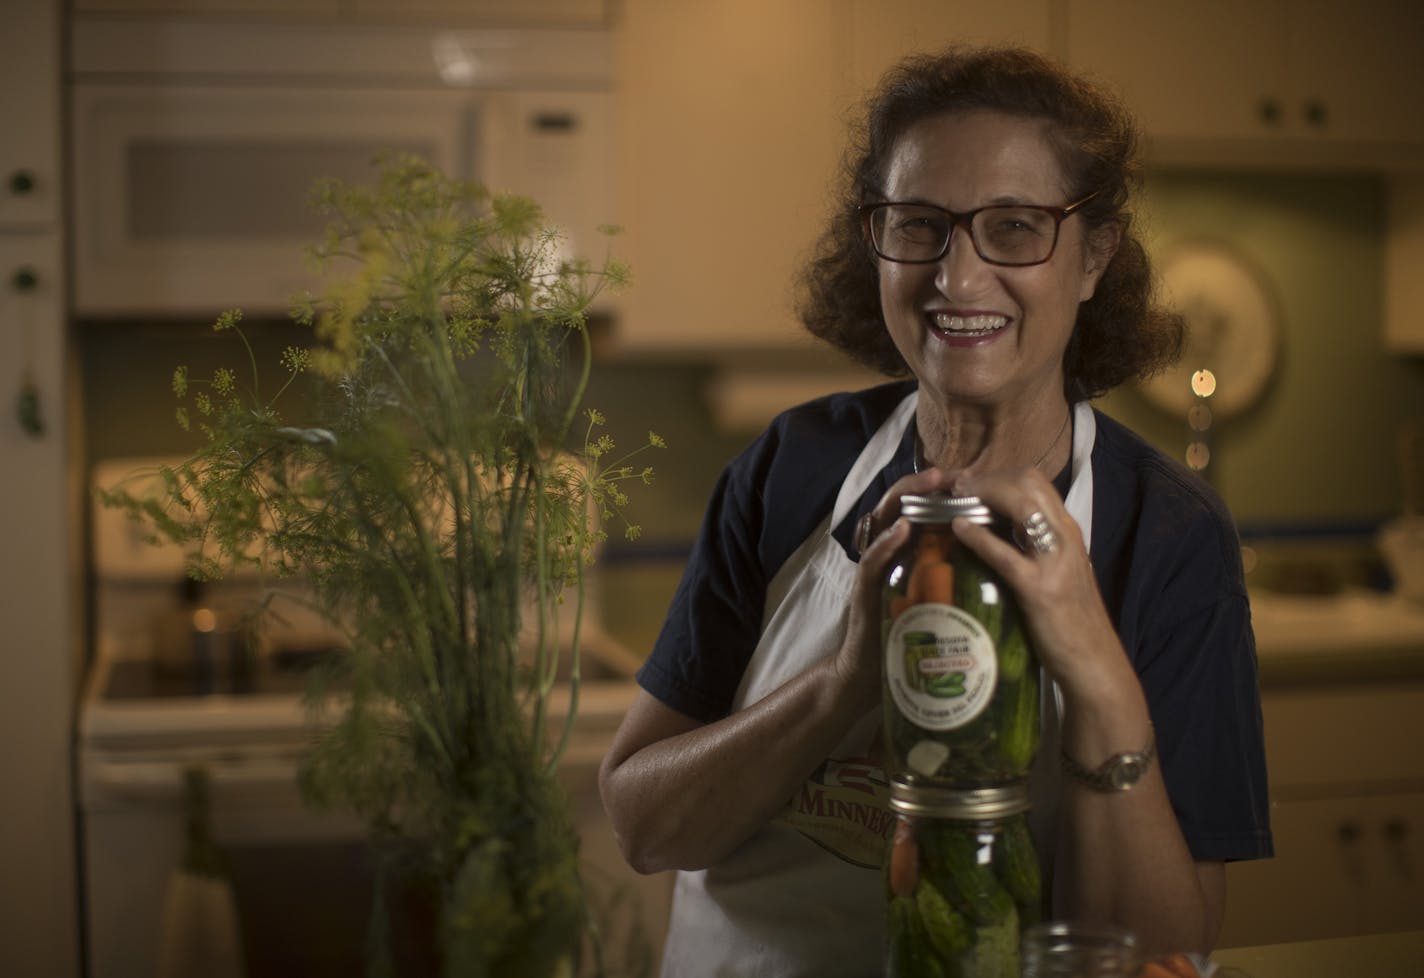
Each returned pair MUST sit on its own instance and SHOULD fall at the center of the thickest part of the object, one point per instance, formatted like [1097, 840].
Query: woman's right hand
[858, 663]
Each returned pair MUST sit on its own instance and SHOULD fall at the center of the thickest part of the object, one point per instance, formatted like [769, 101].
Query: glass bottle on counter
[962, 881]
[961, 683]
[1068, 950]
[199, 932]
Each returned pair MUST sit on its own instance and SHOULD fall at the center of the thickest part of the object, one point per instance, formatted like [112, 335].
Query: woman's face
[970, 331]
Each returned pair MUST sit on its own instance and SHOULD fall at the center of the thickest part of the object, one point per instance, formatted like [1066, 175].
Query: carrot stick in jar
[931, 582]
[904, 859]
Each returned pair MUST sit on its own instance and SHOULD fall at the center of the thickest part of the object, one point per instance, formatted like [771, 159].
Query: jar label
[940, 666]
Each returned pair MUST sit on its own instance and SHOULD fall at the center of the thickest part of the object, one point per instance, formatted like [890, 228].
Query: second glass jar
[962, 882]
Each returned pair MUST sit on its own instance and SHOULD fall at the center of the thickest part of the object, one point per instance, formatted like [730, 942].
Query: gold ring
[863, 536]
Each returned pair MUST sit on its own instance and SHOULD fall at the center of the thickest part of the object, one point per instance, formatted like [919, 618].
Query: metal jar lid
[966, 804]
[941, 507]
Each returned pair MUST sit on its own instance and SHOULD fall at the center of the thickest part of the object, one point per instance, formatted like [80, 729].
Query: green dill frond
[426, 501]
[227, 320]
[224, 381]
[296, 359]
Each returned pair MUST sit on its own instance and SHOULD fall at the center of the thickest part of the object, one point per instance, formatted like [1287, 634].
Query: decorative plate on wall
[1233, 329]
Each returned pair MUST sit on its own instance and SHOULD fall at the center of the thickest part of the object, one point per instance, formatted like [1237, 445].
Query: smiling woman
[982, 247]
[1008, 323]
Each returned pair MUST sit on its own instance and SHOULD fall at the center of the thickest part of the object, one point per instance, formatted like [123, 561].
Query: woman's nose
[960, 268]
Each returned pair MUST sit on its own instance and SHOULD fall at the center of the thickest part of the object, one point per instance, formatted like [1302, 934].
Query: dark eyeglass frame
[965, 220]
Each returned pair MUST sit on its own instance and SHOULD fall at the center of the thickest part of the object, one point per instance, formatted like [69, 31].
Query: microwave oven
[195, 146]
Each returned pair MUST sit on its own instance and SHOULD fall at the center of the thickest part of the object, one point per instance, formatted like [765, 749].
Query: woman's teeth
[968, 325]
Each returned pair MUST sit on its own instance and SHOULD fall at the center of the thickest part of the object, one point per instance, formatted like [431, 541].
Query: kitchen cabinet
[29, 107]
[565, 13]
[1403, 260]
[1394, 955]
[39, 607]
[726, 140]
[732, 122]
[1347, 813]
[881, 33]
[1265, 82]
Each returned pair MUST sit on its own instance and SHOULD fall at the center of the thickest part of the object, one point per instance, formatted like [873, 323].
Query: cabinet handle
[1315, 113]
[22, 183]
[1270, 111]
[1396, 830]
[1348, 832]
[25, 279]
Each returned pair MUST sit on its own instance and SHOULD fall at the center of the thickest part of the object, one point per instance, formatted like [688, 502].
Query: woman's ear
[1100, 248]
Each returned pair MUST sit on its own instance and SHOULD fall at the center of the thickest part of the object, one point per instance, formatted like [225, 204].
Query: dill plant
[430, 503]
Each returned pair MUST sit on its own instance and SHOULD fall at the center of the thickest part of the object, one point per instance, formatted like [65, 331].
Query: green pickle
[976, 888]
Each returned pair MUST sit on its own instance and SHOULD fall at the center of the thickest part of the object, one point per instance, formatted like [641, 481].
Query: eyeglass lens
[1008, 235]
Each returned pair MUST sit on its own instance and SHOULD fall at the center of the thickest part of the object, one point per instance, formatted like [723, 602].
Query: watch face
[1233, 333]
[1127, 770]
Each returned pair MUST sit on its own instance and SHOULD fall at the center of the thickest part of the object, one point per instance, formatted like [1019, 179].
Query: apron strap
[875, 456]
[1046, 779]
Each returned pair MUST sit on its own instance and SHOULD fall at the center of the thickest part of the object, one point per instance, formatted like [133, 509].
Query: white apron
[803, 896]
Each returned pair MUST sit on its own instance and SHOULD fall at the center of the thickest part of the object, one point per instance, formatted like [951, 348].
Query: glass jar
[1059, 949]
[962, 881]
[961, 684]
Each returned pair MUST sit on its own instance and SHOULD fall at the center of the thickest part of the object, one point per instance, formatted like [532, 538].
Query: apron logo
[844, 807]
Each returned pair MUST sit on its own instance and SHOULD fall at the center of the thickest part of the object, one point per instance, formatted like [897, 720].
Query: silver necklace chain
[915, 455]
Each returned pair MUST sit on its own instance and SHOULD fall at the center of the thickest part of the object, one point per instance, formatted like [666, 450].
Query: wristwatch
[1119, 772]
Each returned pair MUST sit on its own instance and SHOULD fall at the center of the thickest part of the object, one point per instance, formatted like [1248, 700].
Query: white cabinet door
[29, 109]
[1200, 70]
[40, 610]
[1355, 70]
[728, 134]
[1343, 866]
[1347, 816]
[884, 31]
[1403, 261]
[269, 9]
[39, 628]
[1267, 81]
[564, 13]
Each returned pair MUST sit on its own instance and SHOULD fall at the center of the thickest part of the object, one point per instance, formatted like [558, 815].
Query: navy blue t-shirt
[1164, 552]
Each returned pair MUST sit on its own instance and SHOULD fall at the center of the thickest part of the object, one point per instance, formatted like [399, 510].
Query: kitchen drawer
[1344, 734]
[1343, 866]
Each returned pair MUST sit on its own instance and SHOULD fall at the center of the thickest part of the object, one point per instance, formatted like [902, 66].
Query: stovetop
[281, 674]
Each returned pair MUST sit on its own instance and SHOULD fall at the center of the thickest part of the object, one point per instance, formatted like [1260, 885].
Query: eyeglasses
[1002, 234]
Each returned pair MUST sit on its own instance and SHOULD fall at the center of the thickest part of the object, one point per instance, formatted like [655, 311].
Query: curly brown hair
[1121, 334]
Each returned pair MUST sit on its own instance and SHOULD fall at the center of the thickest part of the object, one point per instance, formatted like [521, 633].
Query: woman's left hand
[1054, 583]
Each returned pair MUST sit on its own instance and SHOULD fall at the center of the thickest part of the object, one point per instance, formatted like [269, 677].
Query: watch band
[1119, 772]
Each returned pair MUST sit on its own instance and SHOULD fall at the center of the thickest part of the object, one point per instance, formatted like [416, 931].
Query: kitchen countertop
[1365, 635]
[1398, 955]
